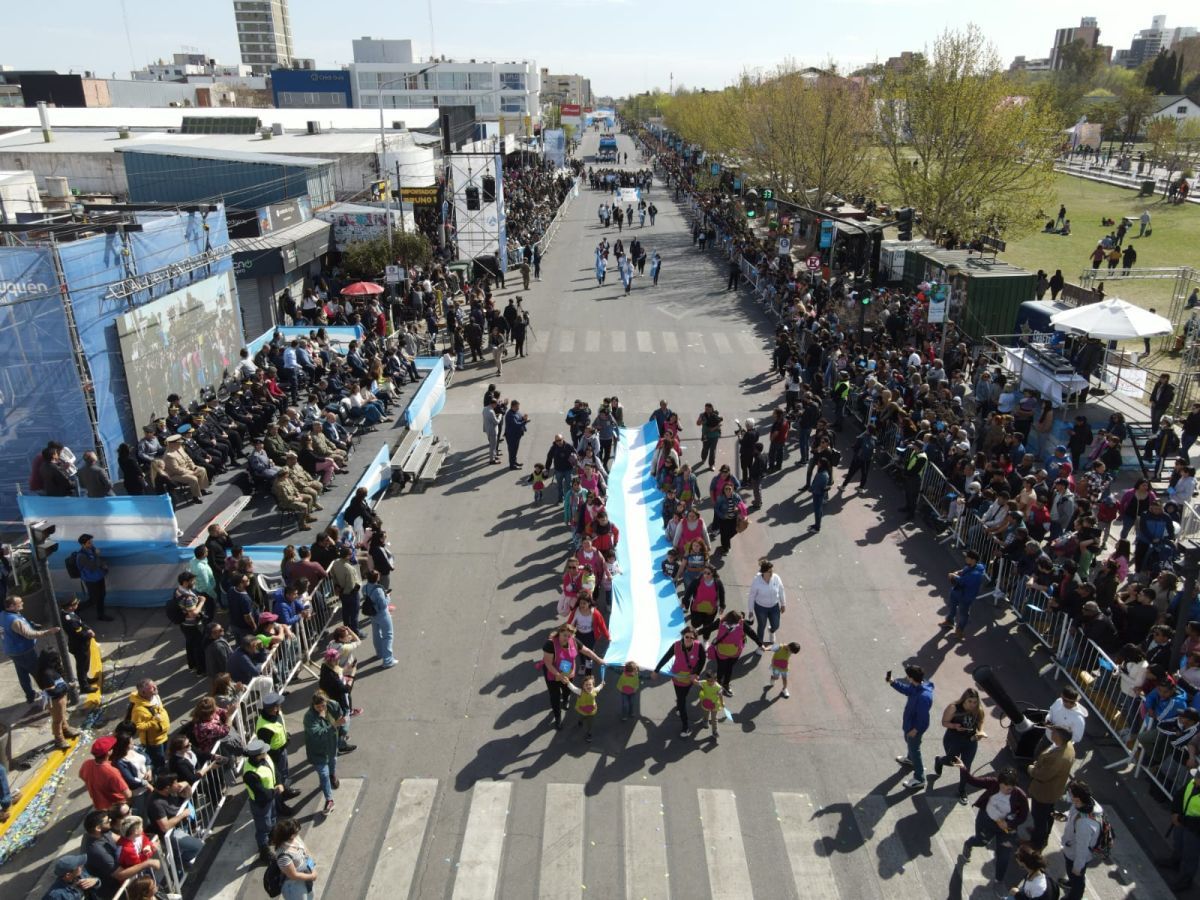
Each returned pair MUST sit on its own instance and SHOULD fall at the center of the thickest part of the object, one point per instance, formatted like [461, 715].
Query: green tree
[367, 259]
[960, 149]
[1165, 73]
[1135, 103]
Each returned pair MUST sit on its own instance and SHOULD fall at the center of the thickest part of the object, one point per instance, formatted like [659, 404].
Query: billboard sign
[554, 144]
[570, 114]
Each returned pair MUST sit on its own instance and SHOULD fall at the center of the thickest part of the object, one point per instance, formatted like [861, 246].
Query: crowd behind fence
[209, 794]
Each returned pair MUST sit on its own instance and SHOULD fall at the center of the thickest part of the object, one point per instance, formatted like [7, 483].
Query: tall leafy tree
[959, 148]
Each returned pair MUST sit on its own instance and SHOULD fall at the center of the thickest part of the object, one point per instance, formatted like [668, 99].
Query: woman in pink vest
[704, 600]
[727, 647]
[559, 656]
[687, 656]
[692, 529]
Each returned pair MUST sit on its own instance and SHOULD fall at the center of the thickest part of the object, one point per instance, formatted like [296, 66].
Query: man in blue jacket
[964, 589]
[916, 720]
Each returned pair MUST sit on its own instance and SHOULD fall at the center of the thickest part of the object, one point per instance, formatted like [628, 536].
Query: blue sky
[624, 46]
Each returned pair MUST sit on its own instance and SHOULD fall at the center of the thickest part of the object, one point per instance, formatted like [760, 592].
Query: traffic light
[41, 533]
[904, 219]
[751, 200]
[750, 212]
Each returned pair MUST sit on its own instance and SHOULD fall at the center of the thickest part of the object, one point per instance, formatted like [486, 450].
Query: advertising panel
[570, 114]
[554, 143]
[180, 343]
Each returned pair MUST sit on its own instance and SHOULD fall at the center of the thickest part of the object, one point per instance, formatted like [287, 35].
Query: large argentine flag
[646, 615]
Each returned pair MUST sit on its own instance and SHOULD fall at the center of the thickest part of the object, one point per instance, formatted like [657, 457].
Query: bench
[417, 460]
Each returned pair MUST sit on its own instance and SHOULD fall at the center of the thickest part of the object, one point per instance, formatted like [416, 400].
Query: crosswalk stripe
[562, 843]
[811, 869]
[695, 342]
[483, 842]
[644, 343]
[876, 821]
[721, 342]
[645, 844]
[237, 858]
[566, 341]
[955, 825]
[724, 851]
[670, 342]
[749, 343]
[397, 864]
[618, 341]
[329, 833]
[591, 343]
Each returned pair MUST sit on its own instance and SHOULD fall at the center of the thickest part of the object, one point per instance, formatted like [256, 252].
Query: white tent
[1111, 320]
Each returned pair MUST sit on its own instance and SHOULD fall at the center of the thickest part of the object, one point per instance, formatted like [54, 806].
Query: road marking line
[330, 832]
[618, 341]
[695, 342]
[591, 342]
[643, 342]
[883, 822]
[483, 842]
[646, 875]
[397, 864]
[749, 343]
[724, 850]
[722, 342]
[955, 825]
[566, 341]
[811, 870]
[562, 843]
[670, 342]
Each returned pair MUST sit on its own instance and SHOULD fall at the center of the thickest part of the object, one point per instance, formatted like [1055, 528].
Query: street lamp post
[387, 200]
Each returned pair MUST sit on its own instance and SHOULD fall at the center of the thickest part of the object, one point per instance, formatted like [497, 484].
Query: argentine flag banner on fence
[646, 616]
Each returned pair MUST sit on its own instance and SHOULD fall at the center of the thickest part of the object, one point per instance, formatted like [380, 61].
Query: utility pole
[43, 548]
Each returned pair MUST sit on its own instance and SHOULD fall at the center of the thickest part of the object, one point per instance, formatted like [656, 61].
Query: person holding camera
[515, 425]
[915, 721]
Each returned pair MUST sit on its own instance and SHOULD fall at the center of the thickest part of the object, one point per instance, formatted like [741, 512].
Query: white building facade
[495, 89]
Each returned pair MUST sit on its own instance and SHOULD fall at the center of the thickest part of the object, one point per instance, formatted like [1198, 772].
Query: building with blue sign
[312, 89]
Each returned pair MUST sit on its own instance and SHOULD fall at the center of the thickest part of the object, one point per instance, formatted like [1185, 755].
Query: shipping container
[987, 294]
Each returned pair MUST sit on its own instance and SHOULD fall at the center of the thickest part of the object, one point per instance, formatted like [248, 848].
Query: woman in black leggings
[687, 655]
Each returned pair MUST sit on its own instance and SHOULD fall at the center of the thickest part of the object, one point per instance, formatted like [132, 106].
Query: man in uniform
[196, 453]
[304, 482]
[264, 794]
[272, 729]
[181, 469]
[277, 448]
[291, 498]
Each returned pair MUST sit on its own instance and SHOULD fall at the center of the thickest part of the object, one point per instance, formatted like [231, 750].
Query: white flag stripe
[724, 851]
[478, 872]
[645, 830]
[562, 843]
[402, 843]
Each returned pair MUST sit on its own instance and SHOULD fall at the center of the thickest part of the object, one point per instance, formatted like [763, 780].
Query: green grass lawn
[1175, 242]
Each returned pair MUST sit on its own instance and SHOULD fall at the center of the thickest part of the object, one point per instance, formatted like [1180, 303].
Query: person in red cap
[105, 785]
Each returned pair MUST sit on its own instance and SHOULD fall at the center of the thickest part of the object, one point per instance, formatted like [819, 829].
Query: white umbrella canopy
[1111, 320]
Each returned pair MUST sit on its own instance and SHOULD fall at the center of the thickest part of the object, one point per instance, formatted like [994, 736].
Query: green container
[994, 289]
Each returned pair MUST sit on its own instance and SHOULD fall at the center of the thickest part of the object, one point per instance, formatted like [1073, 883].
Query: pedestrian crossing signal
[768, 194]
[750, 213]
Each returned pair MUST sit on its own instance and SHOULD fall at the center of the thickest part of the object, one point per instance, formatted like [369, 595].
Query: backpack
[72, 564]
[1107, 837]
[1108, 510]
[174, 610]
[273, 878]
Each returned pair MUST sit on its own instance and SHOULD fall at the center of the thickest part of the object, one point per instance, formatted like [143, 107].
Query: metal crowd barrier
[1160, 760]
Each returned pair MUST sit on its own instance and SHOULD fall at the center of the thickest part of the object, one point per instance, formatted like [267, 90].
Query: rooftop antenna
[432, 43]
[128, 35]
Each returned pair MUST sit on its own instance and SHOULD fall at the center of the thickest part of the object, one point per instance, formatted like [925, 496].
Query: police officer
[1185, 833]
[272, 729]
[913, 467]
[264, 794]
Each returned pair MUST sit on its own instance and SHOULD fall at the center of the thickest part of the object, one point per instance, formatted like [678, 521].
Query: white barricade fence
[1161, 759]
[1094, 674]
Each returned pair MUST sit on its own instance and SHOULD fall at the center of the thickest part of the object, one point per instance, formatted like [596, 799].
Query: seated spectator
[180, 469]
[291, 498]
[259, 462]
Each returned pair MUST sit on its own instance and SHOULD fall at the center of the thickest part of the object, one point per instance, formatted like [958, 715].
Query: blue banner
[40, 394]
[501, 216]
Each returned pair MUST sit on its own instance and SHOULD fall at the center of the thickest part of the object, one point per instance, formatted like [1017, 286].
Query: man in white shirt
[1067, 712]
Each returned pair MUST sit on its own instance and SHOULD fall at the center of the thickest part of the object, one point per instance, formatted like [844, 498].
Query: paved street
[461, 789]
